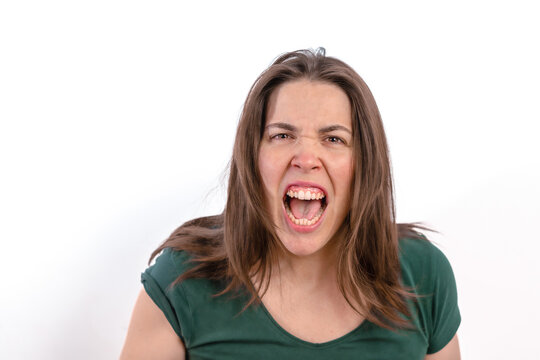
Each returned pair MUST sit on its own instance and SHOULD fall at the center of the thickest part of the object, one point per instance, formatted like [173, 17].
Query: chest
[315, 318]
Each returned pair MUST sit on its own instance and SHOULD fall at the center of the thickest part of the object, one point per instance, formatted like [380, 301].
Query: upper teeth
[305, 195]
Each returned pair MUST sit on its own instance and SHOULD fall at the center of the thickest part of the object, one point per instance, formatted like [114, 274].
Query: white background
[118, 118]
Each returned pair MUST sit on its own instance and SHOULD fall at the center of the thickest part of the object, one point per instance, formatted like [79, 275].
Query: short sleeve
[445, 315]
[157, 281]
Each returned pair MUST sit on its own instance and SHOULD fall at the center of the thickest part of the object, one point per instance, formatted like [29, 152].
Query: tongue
[304, 209]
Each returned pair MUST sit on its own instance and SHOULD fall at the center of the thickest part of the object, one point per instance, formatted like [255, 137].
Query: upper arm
[150, 336]
[449, 352]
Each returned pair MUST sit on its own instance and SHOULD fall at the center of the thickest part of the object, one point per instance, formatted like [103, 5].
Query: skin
[307, 137]
[449, 352]
[150, 336]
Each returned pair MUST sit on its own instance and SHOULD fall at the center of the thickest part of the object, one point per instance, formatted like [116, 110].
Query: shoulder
[424, 267]
[421, 256]
[159, 281]
[427, 272]
[169, 264]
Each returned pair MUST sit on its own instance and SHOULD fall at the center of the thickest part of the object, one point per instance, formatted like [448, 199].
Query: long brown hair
[241, 242]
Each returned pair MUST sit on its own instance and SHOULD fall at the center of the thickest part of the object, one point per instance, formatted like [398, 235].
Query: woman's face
[306, 163]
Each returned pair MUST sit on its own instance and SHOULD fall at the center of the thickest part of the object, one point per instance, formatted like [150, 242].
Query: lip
[304, 228]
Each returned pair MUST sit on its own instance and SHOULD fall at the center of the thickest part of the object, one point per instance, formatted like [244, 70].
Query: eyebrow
[331, 128]
[281, 125]
[324, 130]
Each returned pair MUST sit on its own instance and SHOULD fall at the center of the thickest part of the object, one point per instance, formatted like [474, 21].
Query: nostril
[306, 166]
[306, 161]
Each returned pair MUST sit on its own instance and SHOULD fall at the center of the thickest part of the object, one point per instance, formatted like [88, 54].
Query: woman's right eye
[280, 137]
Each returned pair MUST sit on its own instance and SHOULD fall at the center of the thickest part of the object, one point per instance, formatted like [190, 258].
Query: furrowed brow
[331, 128]
[281, 125]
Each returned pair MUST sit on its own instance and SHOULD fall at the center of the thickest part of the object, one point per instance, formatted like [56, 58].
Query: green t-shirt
[215, 328]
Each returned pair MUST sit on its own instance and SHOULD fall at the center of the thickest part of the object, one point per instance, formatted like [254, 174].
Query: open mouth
[304, 205]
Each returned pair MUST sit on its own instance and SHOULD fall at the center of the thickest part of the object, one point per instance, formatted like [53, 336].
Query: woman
[306, 261]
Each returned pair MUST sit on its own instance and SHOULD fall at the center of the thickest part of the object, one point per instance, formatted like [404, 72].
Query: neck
[313, 271]
[307, 270]
[317, 271]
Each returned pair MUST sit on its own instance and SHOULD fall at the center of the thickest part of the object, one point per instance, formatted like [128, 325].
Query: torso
[297, 323]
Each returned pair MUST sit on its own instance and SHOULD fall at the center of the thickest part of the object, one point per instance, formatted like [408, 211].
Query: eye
[335, 140]
[281, 136]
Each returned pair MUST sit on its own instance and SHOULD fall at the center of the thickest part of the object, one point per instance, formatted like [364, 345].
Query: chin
[302, 245]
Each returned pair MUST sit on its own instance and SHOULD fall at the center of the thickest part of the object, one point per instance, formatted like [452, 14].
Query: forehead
[311, 102]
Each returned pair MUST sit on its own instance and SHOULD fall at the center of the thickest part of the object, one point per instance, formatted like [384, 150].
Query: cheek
[343, 173]
[345, 169]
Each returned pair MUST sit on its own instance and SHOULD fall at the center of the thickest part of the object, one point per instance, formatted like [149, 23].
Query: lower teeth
[304, 222]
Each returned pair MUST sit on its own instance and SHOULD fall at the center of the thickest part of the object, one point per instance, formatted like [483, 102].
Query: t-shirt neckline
[275, 325]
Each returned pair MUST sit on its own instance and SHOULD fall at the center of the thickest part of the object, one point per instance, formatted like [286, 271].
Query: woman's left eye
[335, 140]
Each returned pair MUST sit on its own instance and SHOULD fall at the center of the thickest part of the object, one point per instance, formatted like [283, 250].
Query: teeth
[303, 222]
[307, 195]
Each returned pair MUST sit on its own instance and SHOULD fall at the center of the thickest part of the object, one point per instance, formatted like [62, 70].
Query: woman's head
[306, 164]
[307, 74]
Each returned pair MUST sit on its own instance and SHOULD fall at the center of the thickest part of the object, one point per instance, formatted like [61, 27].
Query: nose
[306, 156]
